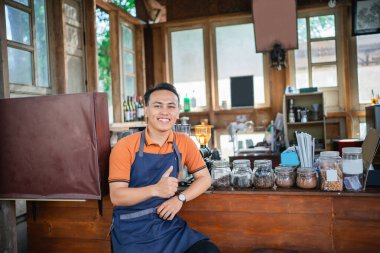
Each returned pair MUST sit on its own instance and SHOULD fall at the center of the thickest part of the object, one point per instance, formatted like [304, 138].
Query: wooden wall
[306, 221]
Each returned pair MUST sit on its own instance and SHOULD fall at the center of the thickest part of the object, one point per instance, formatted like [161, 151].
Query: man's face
[162, 111]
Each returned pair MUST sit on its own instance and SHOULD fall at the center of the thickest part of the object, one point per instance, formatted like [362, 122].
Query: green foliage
[128, 5]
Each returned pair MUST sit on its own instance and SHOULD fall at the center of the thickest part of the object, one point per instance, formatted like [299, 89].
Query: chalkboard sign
[242, 91]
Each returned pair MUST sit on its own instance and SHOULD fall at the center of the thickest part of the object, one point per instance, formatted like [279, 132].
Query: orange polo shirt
[124, 153]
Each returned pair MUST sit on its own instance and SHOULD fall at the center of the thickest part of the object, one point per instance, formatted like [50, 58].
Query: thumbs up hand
[167, 186]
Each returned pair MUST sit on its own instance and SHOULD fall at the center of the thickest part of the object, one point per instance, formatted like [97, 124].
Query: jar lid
[351, 150]
[262, 162]
[241, 161]
[329, 154]
[284, 169]
[306, 170]
[220, 163]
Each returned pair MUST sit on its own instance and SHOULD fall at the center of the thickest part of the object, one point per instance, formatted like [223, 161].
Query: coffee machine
[203, 135]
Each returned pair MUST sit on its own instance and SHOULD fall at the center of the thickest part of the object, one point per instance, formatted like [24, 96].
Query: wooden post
[8, 232]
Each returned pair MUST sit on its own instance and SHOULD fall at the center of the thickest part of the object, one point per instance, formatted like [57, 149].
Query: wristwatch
[182, 197]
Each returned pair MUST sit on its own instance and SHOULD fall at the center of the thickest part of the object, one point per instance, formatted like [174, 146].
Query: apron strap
[175, 148]
[178, 154]
[142, 144]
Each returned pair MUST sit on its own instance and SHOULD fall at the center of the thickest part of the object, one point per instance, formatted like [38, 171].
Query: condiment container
[330, 167]
[241, 174]
[263, 176]
[285, 176]
[221, 174]
[307, 178]
[352, 168]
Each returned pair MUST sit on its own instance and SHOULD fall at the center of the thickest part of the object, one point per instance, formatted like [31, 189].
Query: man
[144, 171]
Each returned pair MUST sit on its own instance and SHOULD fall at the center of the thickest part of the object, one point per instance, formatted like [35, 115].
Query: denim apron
[138, 228]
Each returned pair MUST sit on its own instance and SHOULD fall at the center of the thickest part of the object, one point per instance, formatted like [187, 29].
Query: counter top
[370, 192]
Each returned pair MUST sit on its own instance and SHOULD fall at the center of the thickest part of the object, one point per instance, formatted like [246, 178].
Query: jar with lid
[352, 168]
[263, 176]
[285, 176]
[241, 174]
[331, 173]
[221, 174]
[307, 178]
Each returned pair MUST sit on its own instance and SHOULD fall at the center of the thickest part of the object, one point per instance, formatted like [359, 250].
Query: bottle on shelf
[291, 115]
[132, 107]
[141, 109]
[125, 110]
[193, 100]
[186, 104]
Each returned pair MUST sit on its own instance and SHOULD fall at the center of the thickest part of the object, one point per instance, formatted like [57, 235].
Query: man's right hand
[167, 186]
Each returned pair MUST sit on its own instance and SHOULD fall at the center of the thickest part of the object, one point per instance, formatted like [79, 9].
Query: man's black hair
[159, 86]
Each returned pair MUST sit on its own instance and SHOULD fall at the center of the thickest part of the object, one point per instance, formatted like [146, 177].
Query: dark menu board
[54, 147]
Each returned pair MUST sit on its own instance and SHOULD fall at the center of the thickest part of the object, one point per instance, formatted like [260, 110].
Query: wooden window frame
[132, 51]
[208, 24]
[231, 22]
[203, 27]
[117, 16]
[14, 89]
[340, 88]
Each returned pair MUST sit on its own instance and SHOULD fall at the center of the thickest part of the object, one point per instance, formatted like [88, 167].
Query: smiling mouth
[163, 120]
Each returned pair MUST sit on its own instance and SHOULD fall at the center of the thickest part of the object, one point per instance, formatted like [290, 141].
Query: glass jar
[285, 176]
[330, 167]
[221, 174]
[352, 169]
[263, 176]
[307, 178]
[241, 174]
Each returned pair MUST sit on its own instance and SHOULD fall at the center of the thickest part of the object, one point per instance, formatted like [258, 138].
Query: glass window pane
[41, 43]
[104, 59]
[322, 26]
[127, 37]
[129, 86]
[18, 25]
[236, 56]
[368, 62]
[19, 66]
[128, 64]
[301, 58]
[324, 76]
[24, 2]
[188, 64]
[323, 51]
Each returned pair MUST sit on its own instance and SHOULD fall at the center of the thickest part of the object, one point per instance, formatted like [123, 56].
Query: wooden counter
[238, 221]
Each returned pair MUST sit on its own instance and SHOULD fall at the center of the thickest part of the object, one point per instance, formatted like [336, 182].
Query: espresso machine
[203, 135]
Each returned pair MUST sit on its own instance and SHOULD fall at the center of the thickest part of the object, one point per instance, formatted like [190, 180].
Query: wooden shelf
[121, 127]
[317, 128]
[317, 122]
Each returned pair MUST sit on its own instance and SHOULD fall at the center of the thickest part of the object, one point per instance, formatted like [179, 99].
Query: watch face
[182, 197]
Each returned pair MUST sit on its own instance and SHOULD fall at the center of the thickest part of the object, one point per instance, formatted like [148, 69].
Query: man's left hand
[169, 208]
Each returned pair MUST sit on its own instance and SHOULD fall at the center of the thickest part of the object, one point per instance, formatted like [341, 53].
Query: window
[316, 58]
[104, 57]
[128, 61]
[188, 68]
[27, 46]
[368, 66]
[236, 56]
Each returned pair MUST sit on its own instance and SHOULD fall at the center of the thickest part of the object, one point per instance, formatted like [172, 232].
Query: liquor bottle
[186, 104]
[134, 111]
[142, 112]
[193, 100]
[125, 110]
[291, 116]
[132, 107]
